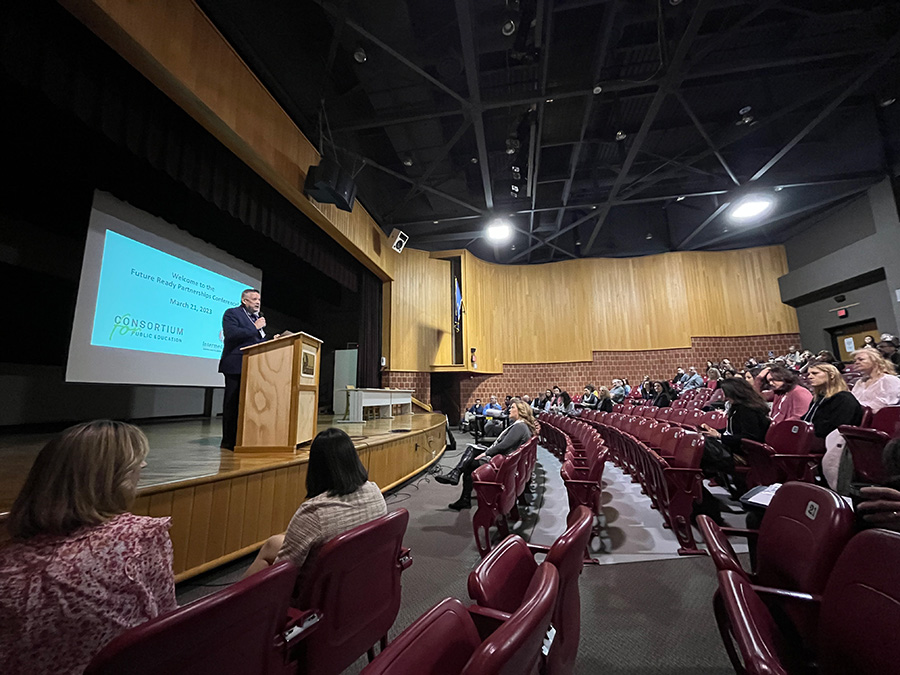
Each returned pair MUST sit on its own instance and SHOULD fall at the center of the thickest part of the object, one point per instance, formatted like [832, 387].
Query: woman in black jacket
[748, 417]
[833, 404]
[660, 398]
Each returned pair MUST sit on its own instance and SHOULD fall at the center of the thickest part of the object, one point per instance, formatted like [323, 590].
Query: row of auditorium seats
[499, 487]
[817, 592]
[525, 617]
[689, 418]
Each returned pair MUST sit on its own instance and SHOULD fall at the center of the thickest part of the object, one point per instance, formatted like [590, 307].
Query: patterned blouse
[63, 598]
[323, 517]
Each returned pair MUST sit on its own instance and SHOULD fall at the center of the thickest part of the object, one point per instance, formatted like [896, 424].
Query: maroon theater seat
[446, 639]
[866, 446]
[805, 529]
[239, 629]
[354, 579]
[787, 455]
[888, 420]
[501, 580]
[858, 624]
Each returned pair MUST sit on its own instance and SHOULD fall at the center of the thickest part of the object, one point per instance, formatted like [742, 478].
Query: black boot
[452, 476]
[465, 499]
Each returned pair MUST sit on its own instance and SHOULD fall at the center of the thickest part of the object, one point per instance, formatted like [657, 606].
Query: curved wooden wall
[564, 311]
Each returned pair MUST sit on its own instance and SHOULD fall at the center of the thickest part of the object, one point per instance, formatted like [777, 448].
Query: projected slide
[151, 301]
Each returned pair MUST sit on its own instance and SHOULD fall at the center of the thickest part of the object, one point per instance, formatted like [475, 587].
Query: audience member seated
[617, 393]
[826, 357]
[522, 428]
[792, 357]
[869, 342]
[546, 400]
[880, 505]
[750, 378]
[692, 381]
[495, 418]
[605, 403]
[713, 375]
[647, 390]
[80, 569]
[747, 418]
[879, 385]
[470, 417]
[661, 398]
[679, 378]
[339, 497]
[624, 381]
[791, 398]
[726, 367]
[889, 351]
[565, 405]
[589, 399]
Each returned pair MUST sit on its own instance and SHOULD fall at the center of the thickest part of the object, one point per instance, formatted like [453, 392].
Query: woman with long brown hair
[80, 569]
[522, 427]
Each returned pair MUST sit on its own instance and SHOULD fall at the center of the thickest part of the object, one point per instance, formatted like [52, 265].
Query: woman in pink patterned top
[80, 569]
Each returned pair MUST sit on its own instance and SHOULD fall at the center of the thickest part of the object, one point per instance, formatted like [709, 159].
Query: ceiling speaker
[328, 183]
[398, 240]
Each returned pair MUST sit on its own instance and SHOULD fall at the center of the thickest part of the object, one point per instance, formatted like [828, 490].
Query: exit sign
[843, 313]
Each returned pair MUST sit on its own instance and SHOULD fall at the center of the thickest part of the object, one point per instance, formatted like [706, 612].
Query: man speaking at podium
[241, 326]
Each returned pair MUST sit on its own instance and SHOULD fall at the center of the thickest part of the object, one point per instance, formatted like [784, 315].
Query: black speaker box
[328, 183]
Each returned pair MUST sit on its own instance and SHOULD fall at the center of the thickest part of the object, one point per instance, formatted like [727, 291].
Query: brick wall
[531, 378]
[419, 382]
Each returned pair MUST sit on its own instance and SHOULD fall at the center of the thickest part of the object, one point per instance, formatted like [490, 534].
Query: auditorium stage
[224, 505]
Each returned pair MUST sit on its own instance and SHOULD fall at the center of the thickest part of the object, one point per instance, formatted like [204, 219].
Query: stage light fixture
[498, 230]
[597, 89]
[359, 55]
[752, 206]
[407, 161]
[621, 135]
[508, 28]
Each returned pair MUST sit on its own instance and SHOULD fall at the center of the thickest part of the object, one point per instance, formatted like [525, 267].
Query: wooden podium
[279, 394]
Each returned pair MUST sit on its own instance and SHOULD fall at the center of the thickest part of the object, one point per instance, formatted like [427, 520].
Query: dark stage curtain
[45, 50]
[368, 360]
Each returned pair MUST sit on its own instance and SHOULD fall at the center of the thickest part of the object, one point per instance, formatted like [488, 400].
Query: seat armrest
[782, 594]
[300, 625]
[405, 560]
[486, 620]
[739, 532]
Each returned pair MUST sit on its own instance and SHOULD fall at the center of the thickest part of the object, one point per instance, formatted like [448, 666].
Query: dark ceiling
[450, 122]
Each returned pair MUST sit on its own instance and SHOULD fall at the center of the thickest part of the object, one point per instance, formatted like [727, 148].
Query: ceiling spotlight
[498, 230]
[621, 135]
[743, 111]
[407, 161]
[597, 89]
[649, 236]
[779, 188]
[549, 100]
[508, 28]
[514, 187]
[752, 206]
[359, 55]
[594, 207]
[578, 243]
[679, 199]
[724, 229]
[746, 119]
[435, 222]
[512, 248]
[887, 100]
[512, 145]
[474, 160]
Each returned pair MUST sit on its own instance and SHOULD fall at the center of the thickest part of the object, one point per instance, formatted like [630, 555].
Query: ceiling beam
[425, 188]
[860, 75]
[470, 59]
[435, 163]
[336, 12]
[545, 242]
[709, 141]
[702, 226]
[670, 81]
[543, 27]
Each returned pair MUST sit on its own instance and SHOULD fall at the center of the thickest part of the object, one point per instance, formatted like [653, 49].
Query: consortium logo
[126, 325]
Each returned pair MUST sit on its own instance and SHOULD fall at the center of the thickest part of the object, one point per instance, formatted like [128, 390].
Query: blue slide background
[151, 301]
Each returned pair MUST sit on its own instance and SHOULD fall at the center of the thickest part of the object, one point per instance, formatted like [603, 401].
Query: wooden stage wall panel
[564, 311]
[222, 517]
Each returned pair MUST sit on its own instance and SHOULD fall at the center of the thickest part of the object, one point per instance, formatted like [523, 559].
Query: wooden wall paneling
[234, 524]
[201, 512]
[265, 526]
[141, 506]
[250, 533]
[281, 510]
[177, 48]
[218, 521]
[182, 503]
[420, 317]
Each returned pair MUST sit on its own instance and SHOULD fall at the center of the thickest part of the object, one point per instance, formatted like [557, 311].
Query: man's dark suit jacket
[239, 332]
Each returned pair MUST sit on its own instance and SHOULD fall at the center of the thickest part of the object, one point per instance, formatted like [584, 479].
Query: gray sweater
[511, 438]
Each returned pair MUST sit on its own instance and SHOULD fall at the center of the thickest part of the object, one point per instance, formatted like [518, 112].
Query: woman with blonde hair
[605, 400]
[879, 385]
[80, 569]
[523, 426]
